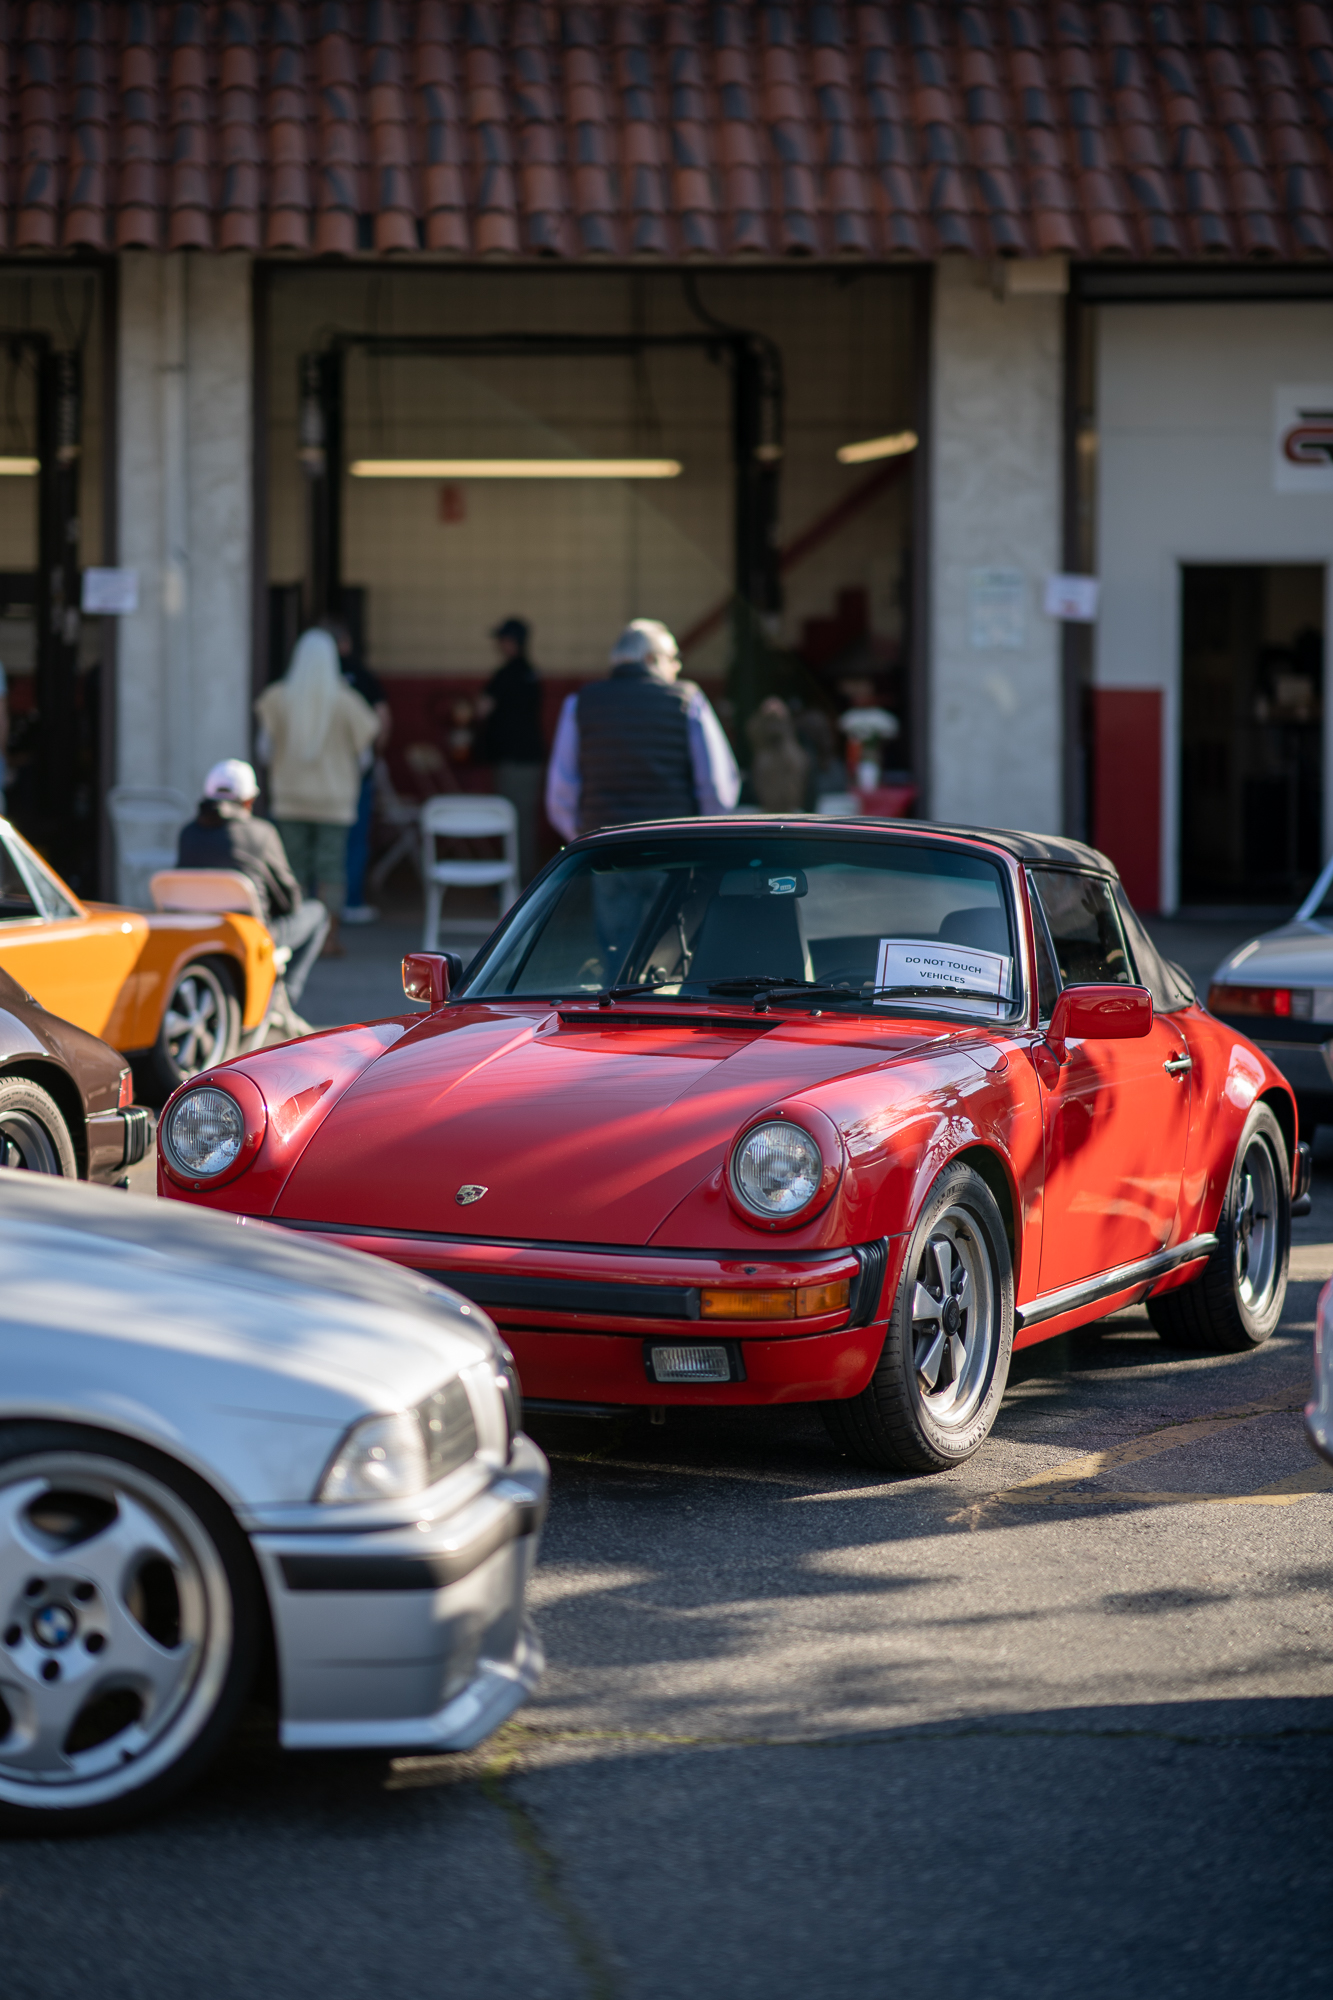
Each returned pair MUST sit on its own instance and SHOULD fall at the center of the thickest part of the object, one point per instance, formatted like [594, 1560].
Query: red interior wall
[1127, 787]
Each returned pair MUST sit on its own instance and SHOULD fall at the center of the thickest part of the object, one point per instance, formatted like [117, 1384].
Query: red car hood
[579, 1131]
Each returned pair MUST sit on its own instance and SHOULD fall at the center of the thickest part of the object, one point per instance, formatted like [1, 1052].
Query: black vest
[634, 750]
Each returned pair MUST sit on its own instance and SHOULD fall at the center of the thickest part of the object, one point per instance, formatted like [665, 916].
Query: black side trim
[1107, 1283]
[425, 1572]
[868, 1284]
[572, 1295]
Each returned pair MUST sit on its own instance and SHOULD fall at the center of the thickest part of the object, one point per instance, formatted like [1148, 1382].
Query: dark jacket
[223, 835]
[634, 749]
[512, 732]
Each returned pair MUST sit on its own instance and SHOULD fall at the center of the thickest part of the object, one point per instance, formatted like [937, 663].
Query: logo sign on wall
[1303, 437]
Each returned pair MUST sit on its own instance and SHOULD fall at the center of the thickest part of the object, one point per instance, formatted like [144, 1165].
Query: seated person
[225, 834]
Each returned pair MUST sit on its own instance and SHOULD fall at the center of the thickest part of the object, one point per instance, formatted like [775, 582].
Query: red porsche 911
[760, 1110]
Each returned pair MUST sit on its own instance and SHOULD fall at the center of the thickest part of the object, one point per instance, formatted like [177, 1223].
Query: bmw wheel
[130, 1612]
[33, 1134]
[941, 1375]
[1237, 1299]
[201, 1026]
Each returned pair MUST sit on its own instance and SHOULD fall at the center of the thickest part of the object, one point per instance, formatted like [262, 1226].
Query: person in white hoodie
[316, 734]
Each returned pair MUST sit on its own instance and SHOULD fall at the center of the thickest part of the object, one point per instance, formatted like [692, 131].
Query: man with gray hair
[640, 745]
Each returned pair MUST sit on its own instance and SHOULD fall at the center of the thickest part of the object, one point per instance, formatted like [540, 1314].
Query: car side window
[16, 900]
[1084, 926]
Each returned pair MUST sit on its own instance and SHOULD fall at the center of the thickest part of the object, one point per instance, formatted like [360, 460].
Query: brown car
[64, 1096]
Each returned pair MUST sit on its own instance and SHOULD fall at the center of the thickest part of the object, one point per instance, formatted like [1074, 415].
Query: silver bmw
[221, 1447]
[1278, 990]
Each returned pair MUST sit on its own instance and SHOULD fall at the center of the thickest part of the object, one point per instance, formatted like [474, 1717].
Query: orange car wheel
[201, 1026]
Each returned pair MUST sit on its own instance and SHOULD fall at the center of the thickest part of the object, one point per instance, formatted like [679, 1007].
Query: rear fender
[172, 942]
[1230, 1075]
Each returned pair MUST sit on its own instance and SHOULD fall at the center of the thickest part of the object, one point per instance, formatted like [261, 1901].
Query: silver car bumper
[1319, 1410]
[1307, 1066]
[412, 1637]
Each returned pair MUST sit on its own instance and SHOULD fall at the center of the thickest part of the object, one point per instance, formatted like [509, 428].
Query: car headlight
[778, 1170]
[209, 1133]
[389, 1458]
[204, 1132]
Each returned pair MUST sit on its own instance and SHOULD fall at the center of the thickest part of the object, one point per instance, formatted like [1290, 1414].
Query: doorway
[1251, 732]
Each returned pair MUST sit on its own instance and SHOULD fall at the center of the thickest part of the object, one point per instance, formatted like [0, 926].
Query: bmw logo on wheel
[54, 1626]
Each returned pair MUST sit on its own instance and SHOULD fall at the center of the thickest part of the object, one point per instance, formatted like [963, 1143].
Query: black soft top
[1051, 848]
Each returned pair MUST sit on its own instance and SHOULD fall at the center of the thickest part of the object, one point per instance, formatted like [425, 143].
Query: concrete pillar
[995, 478]
[186, 388]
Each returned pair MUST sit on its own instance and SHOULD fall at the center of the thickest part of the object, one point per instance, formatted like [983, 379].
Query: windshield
[859, 923]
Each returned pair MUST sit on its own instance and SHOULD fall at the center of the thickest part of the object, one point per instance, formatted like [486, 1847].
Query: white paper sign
[112, 592]
[1072, 598]
[1303, 437]
[997, 610]
[912, 962]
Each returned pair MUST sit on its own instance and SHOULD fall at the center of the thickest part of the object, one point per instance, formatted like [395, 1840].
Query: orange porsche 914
[175, 991]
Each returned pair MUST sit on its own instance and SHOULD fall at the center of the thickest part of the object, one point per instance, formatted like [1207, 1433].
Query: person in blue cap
[510, 737]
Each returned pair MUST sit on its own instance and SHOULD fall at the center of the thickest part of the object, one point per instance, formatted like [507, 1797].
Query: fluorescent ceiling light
[886, 447]
[19, 468]
[515, 468]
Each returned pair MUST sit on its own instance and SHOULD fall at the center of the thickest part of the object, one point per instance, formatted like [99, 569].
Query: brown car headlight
[208, 1135]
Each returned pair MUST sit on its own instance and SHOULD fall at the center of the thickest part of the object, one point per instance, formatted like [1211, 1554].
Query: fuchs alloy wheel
[129, 1628]
[941, 1375]
[201, 1026]
[1238, 1298]
[33, 1134]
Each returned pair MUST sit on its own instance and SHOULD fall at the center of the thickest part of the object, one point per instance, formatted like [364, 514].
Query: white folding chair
[466, 816]
[145, 820]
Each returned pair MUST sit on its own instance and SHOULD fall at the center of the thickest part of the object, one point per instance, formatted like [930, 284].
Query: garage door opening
[1251, 732]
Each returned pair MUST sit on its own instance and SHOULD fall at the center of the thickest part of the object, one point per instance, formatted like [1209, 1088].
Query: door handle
[1178, 1065]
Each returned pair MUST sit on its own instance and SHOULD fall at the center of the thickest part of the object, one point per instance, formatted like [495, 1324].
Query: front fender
[173, 939]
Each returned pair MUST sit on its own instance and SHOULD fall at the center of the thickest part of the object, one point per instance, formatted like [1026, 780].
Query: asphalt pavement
[1058, 1722]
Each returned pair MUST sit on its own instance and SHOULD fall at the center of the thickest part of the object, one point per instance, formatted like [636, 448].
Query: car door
[1116, 1115]
[71, 959]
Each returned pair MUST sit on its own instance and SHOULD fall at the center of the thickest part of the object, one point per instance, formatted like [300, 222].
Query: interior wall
[578, 558]
[1186, 475]
[66, 306]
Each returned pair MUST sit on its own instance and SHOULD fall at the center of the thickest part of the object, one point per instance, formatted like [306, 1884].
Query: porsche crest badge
[469, 1192]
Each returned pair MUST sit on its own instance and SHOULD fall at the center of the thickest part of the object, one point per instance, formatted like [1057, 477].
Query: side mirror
[1100, 1014]
[430, 975]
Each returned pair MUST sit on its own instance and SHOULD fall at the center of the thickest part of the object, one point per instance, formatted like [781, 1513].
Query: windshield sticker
[954, 971]
[782, 885]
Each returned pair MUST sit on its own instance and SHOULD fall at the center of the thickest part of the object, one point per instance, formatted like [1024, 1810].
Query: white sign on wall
[112, 592]
[997, 610]
[1072, 598]
[1303, 437]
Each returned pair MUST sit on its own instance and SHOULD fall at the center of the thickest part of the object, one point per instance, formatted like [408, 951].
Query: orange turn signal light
[791, 1302]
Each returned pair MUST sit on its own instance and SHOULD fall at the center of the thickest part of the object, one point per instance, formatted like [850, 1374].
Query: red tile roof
[670, 128]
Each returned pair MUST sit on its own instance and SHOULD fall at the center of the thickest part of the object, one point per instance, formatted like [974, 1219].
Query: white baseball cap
[231, 779]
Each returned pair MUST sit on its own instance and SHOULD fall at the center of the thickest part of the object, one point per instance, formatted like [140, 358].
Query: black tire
[1237, 1299]
[33, 1134]
[201, 1026]
[908, 1420]
[133, 1623]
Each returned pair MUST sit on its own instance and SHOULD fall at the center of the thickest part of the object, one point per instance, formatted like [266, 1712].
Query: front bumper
[411, 1637]
[580, 1318]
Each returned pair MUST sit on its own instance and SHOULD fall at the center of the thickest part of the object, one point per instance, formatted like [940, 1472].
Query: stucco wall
[996, 395]
[185, 374]
[1185, 474]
